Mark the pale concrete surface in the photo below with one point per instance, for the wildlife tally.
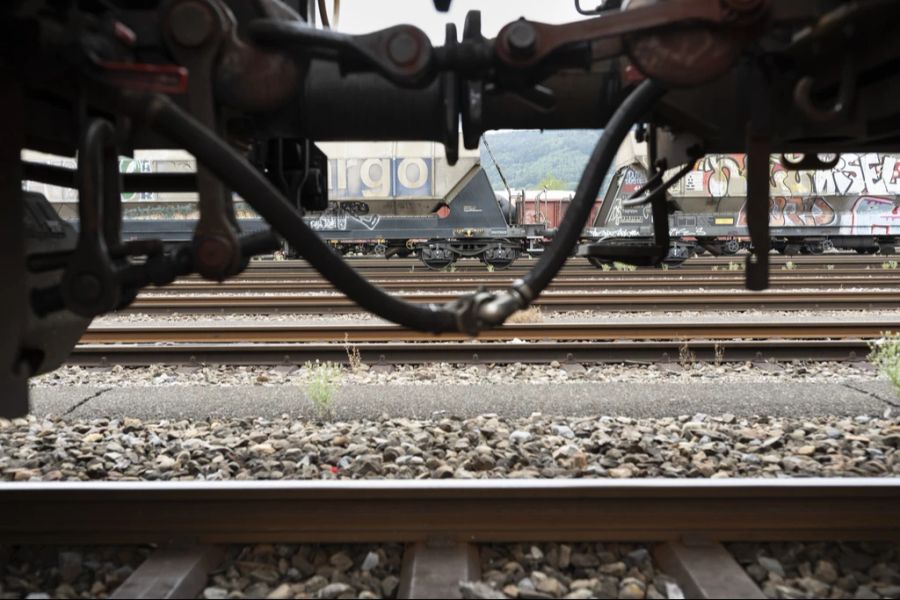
(581, 399)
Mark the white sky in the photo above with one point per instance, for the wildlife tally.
(363, 16)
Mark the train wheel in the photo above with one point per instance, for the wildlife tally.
(437, 264)
(731, 246)
(599, 262)
(672, 263)
(500, 264)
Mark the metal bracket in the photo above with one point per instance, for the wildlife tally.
(89, 285)
(194, 31)
(759, 149)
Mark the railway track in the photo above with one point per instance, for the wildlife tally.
(559, 301)
(568, 342)
(579, 264)
(268, 333)
(598, 282)
(441, 521)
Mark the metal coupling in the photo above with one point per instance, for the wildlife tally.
(482, 309)
(496, 310)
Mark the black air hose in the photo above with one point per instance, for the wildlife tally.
(470, 313)
(629, 112)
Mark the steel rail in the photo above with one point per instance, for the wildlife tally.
(727, 281)
(850, 350)
(511, 273)
(221, 303)
(469, 511)
(701, 262)
(560, 331)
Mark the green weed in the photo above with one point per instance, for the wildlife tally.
(885, 355)
(322, 381)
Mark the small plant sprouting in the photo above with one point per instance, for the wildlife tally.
(789, 266)
(606, 266)
(719, 357)
(686, 358)
(620, 266)
(664, 266)
(889, 264)
(322, 381)
(490, 268)
(353, 356)
(829, 267)
(885, 355)
(735, 266)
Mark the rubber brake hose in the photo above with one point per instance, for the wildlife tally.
(468, 314)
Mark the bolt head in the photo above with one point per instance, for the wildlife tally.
(403, 48)
(521, 39)
(190, 23)
(212, 256)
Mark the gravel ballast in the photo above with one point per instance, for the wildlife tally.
(570, 571)
(546, 315)
(38, 572)
(822, 570)
(487, 446)
(457, 374)
(307, 571)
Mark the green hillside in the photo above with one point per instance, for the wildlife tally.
(528, 158)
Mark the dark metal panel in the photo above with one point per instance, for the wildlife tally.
(13, 292)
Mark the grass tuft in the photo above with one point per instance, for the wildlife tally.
(322, 380)
(885, 355)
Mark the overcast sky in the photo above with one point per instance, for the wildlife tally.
(362, 16)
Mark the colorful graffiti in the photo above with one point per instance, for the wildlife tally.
(725, 175)
(796, 211)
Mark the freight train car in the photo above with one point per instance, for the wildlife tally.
(471, 222)
(853, 206)
(387, 198)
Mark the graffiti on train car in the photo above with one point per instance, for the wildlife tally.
(876, 214)
(340, 220)
(724, 175)
(797, 211)
(621, 215)
(380, 177)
